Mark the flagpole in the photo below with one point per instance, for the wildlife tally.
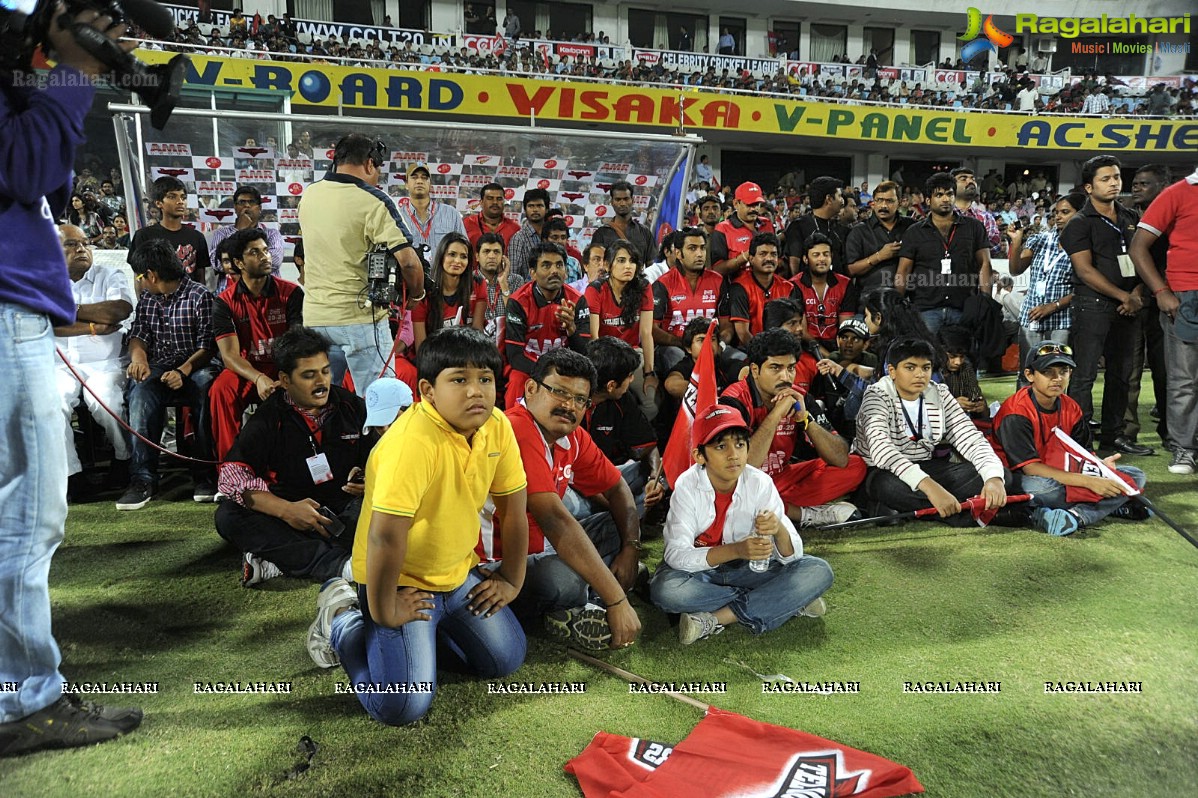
(1172, 524)
(632, 677)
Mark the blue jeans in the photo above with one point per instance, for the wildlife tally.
(365, 347)
(940, 317)
(33, 509)
(147, 402)
(373, 654)
(761, 600)
(581, 508)
(1050, 493)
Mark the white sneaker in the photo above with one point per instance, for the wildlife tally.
(825, 514)
(1183, 461)
(254, 569)
(335, 595)
(815, 609)
(694, 626)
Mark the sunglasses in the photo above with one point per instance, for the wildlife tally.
(1054, 349)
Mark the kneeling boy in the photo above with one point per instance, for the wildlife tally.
(725, 514)
(1024, 428)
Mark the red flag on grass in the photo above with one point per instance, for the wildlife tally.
(1068, 455)
(730, 755)
(700, 395)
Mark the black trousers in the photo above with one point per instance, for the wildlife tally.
(1148, 349)
(1098, 331)
(960, 479)
(300, 554)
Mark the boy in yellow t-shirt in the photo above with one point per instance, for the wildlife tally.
(413, 555)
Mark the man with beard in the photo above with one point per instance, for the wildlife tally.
(965, 200)
(825, 295)
(624, 226)
(542, 315)
(92, 345)
(872, 247)
(826, 204)
(774, 411)
(1147, 184)
(247, 201)
(492, 291)
(521, 245)
(427, 220)
(687, 291)
(490, 218)
(944, 259)
(247, 318)
(711, 213)
(1107, 298)
(751, 289)
(729, 243)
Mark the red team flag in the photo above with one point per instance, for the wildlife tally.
(1068, 455)
(700, 395)
(731, 756)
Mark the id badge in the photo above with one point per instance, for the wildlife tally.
(946, 265)
(318, 467)
(1126, 267)
(1042, 288)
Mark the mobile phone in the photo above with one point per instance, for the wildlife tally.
(337, 527)
(356, 475)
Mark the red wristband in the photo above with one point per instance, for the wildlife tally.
(1162, 288)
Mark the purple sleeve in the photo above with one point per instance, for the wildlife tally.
(37, 145)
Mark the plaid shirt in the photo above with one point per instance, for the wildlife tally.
(1050, 279)
(174, 326)
(998, 247)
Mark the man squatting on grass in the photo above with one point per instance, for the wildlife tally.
(413, 556)
(725, 514)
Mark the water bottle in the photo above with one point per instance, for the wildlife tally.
(759, 565)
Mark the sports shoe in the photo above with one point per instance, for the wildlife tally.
(825, 514)
(204, 492)
(136, 497)
(815, 609)
(694, 626)
(335, 595)
(1132, 510)
(67, 723)
(1182, 462)
(254, 569)
(584, 626)
(1057, 523)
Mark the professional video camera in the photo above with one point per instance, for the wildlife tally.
(25, 26)
(382, 275)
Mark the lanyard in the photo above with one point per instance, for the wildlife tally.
(949, 243)
(916, 427)
(423, 229)
(1119, 230)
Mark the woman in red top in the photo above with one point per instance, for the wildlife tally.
(450, 305)
(622, 306)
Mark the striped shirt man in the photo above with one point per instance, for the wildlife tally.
(1050, 279)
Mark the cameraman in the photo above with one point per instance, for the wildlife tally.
(338, 214)
(39, 131)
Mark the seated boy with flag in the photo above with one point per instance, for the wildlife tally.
(1042, 434)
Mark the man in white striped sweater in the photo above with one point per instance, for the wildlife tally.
(906, 431)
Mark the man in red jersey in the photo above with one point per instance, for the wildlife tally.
(247, 317)
(731, 239)
(687, 291)
(490, 218)
(773, 408)
(542, 315)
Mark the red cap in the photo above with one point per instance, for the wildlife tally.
(749, 193)
(715, 420)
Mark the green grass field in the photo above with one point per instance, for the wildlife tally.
(154, 596)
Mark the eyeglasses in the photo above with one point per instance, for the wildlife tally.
(565, 397)
(75, 243)
(1054, 349)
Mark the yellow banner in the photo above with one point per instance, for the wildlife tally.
(521, 98)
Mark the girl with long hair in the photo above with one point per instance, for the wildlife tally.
(448, 303)
(621, 306)
(86, 220)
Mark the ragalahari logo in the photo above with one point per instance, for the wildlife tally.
(994, 36)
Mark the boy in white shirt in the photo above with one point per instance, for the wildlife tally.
(723, 515)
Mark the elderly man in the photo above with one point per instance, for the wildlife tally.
(92, 345)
